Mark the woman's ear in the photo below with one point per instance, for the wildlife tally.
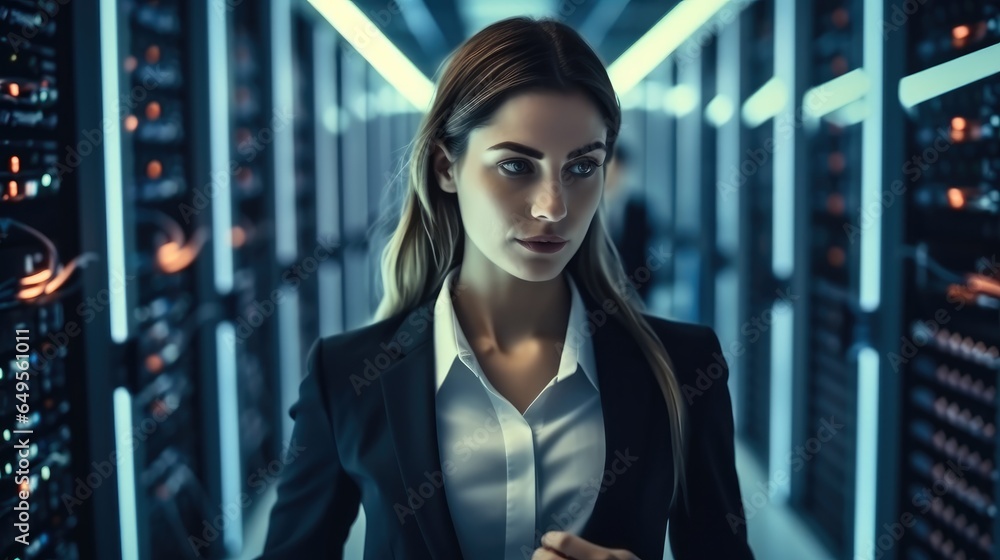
(442, 162)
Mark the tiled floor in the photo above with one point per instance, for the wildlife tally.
(775, 533)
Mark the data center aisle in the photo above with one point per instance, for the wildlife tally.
(775, 531)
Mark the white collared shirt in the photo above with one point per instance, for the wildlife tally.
(510, 478)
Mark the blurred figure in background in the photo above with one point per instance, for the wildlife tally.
(628, 220)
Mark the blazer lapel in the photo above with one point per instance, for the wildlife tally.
(408, 392)
(623, 376)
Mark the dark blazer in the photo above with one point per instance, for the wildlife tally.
(365, 424)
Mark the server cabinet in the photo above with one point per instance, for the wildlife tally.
(751, 181)
(45, 441)
(946, 358)
(830, 274)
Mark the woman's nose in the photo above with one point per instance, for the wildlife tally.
(549, 202)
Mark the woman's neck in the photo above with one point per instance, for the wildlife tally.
(498, 310)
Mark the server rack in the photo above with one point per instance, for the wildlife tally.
(694, 195)
(44, 444)
(246, 449)
(831, 277)
(721, 113)
(947, 356)
(378, 121)
(328, 49)
(190, 230)
(302, 276)
(355, 194)
(252, 239)
(752, 181)
(709, 259)
(169, 205)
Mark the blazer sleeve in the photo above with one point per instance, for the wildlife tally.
(715, 526)
(317, 500)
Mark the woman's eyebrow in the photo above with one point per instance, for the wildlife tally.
(531, 152)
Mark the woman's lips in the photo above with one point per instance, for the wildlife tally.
(542, 247)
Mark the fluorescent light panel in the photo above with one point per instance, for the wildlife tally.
(285, 229)
(378, 50)
(229, 434)
(677, 26)
(727, 327)
(765, 103)
(783, 184)
(780, 428)
(289, 347)
(128, 517)
(659, 42)
(113, 184)
(728, 78)
(850, 114)
(222, 205)
(835, 94)
(940, 79)
(680, 100)
(719, 110)
(866, 464)
(869, 292)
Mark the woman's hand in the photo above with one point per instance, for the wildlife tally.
(560, 544)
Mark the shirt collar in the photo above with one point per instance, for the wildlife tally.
(450, 342)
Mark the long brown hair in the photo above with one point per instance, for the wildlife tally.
(508, 57)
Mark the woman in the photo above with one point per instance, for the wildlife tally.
(512, 400)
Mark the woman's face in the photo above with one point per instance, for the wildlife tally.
(534, 169)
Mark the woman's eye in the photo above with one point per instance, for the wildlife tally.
(514, 167)
(584, 168)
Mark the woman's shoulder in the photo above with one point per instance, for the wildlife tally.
(681, 334)
(352, 359)
(361, 336)
(693, 348)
